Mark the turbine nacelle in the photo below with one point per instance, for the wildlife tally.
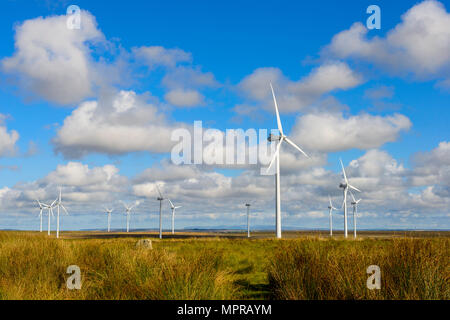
(343, 185)
(273, 137)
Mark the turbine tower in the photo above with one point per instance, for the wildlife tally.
(59, 205)
(276, 157)
(160, 199)
(173, 214)
(345, 186)
(128, 212)
(355, 212)
(248, 219)
(331, 215)
(108, 212)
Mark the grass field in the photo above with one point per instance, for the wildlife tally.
(225, 265)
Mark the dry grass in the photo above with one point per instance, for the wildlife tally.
(410, 269)
(34, 267)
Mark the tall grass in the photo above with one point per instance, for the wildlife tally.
(34, 267)
(410, 269)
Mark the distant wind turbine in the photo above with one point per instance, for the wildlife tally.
(331, 207)
(160, 199)
(108, 212)
(355, 213)
(173, 214)
(42, 206)
(281, 138)
(248, 219)
(59, 205)
(128, 212)
(345, 186)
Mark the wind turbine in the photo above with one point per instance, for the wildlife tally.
(331, 215)
(50, 212)
(59, 205)
(276, 157)
(108, 211)
(355, 212)
(42, 206)
(160, 199)
(128, 212)
(173, 214)
(345, 186)
(248, 219)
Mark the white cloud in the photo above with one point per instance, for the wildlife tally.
(184, 98)
(8, 139)
(155, 56)
(52, 61)
(188, 77)
(334, 132)
(419, 45)
(118, 123)
(296, 95)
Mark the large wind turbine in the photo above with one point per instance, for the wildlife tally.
(276, 157)
(331, 215)
(173, 214)
(345, 186)
(59, 205)
(160, 199)
(108, 212)
(355, 212)
(128, 212)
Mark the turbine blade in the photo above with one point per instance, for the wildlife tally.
(159, 191)
(295, 146)
(354, 188)
(343, 171)
(178, 207)
(64, 209)
(171, 204)
(280, 128)
(276, 154)
(329, 198)
(351, 193)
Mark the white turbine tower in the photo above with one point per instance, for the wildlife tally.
(276, 157)
(345, 186)
(128, 212)
(331, 207)
(59, 205)
(108, 212)
(248, 219)
(160, 199)
(355, 213)
(173, 214)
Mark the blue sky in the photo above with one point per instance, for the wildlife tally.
(222, 54)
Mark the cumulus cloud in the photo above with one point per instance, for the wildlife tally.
(296, 95)
(418, 45)
(328, 132)
(184, 98)
(118, 123)
(52, 61)
(8, 139)
(154, 56)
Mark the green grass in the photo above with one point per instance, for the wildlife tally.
(33, 266)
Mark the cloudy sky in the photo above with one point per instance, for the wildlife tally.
(93, 110)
